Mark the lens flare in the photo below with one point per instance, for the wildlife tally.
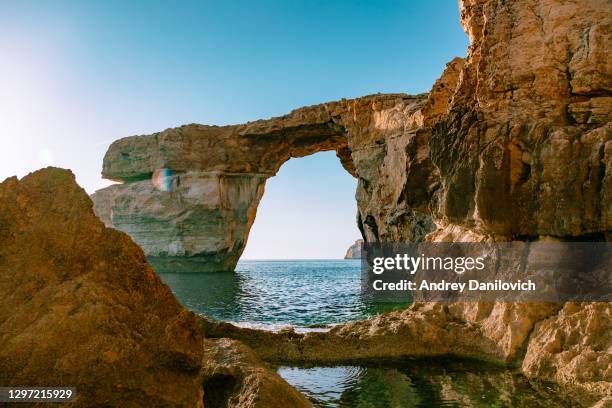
(162, 179)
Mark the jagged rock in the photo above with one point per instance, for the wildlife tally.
(80, 307)
(354, 251)
(235, 377)
(524, 152)
(424, 330)
(201, 225)
(523, 149)
(574, 347)
(514, 142)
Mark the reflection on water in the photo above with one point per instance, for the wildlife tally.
(421, 384)
(303, 293)
(299, 293)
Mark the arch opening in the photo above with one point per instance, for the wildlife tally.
(292, 272)
(308, 211)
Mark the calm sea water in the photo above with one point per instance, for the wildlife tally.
(278, 293)
(273, 294)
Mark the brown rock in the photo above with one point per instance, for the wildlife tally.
(522, 149)
(80, 307)
(523, 152)
(424, 330)
(574, 347)
(235, 377)
(354, 251)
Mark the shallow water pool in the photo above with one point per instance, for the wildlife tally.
(421, 384)
(276, 294)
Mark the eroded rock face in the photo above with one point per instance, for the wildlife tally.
(80, 307)
(200, 225)
(574, 347)
(354, 251)
(524, 148)
(424, 330)
(523, 152)
(190, 194)
(514, 142)
(235, 377)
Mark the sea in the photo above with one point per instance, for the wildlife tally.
(317, 294)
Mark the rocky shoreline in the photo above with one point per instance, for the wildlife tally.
(80, 305)
(514, 142)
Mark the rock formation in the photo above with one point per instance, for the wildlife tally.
(80, 307)
(523, 152)
(235, 377)
(524, 148)
(514, 142)
(354, 251)
(199, 216)
(573, 347)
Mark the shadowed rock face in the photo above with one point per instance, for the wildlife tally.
(523, 152)
(525, 147)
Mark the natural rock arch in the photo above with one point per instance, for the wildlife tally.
(214, 177)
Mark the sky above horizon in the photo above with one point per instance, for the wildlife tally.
(74, 76)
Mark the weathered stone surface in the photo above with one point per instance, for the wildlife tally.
(234, 376)
(198, 217)
(354, 251)
(80, 307)
(574, 347)
(201, 225)
(522, 151)
(424, 330)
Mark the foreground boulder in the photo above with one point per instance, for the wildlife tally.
(80, 307)
(235, 377)
(573, 347)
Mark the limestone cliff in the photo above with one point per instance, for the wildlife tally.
(524, 148)
(354, 251)
(523, 152)
(80, 307)
(198, 216)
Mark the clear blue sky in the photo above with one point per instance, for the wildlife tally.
(76, 75)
